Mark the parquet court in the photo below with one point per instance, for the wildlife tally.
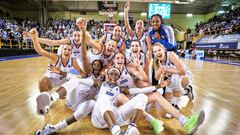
(216, 88)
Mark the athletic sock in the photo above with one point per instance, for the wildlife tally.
(115, 129)
(182, 119)
(54, 96)
(61, 124)
(149, 118)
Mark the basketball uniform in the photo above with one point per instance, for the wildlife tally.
(57, 79)
(142, 41)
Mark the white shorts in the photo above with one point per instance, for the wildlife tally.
(122, 114)
(77, 93)
(56, 79)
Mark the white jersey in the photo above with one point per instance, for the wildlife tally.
(142, 59)
(76, 52)
(99, 77)
(108, 92)
(119, 42)
(105, 60)
(57, 79)
(126, 79)
(168, 64)
(142, 41)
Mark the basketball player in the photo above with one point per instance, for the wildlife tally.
(116, 36)
(64, 62)
(74, 41)
(105, 113)
(191, 124)
(140, 58)
(138, 34)
(79, 97)
(167, 64)
(105, 53)
(160, 33)
(79, 93)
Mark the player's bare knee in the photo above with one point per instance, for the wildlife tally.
(122, 99)
(45, 84)
(157, 95)
(62, 92)
(168, 95)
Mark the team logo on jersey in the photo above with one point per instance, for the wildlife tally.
(110, 93)
(162, 36)
(123, 81)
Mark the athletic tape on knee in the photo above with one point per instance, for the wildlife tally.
(134, 91)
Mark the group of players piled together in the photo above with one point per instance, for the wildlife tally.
(115, 84)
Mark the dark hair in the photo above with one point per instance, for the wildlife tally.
(101, 64)
(158, 15)
(135, 40)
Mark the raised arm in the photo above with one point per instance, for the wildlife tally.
(149, 46)
(96, 45)
(33, 34)
(126, 20)
(82, 27)
(102, 39)
(50, 42)
(80, 71)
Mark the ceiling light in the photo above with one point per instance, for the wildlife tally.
(189, 15)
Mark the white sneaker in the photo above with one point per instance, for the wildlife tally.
(47, 130)
(132, 131)
(43, 102)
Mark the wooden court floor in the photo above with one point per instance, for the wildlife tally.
(216, 88)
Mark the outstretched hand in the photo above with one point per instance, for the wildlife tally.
(127, 6)
(82, 24)
(33, 34)
(54, 69)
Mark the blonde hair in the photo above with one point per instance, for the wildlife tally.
(161, 45)
(155, 60)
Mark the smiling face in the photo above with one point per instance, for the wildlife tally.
(110, 47)
(97, 65)
(113, 75)
(156, 22)
(135, 47)
(77, 36)
(159, 52)
(139, 26)
(117, 31)
(119, 60)
(66, 51)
